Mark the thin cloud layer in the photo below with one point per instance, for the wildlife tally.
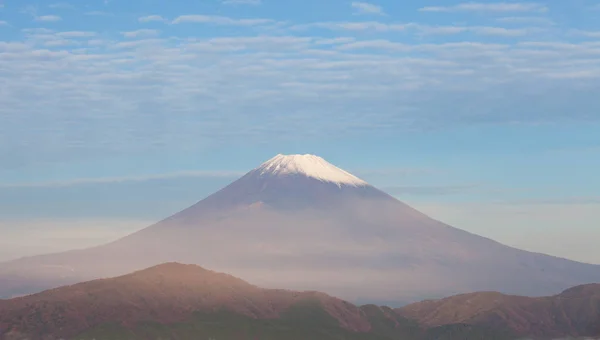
(140, 33)
(71, 94)
(61, 5)
(48, 18)
(367, 8)
(498, 7)
(149, 18)
(242, 2)
(219, 20)
(100, 180)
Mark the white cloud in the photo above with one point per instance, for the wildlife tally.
(84, 181)
(353, 26)
(418, 28)
(48, 18)
(194, 93)
(59, 43)
(150, 18)
(3, 23)
(76, 34)
(219, 20)
(141, 33)
(526, 20)
(589, 34)
(374, 44)
(61, 5)
(441, 30)
(195, 174)
(242, 2)
(29, 9)
(334, 41)
(98, 13)
(500, 31)
(367, 8)
(498, 7)
(439, 190)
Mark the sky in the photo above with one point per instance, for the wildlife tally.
(485, 115)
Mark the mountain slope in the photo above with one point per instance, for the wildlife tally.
(176, 301)
(574, 312)
(166, 293)
(301, 223)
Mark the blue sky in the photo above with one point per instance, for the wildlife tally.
(485, 115)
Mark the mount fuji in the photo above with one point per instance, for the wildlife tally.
(299, 222)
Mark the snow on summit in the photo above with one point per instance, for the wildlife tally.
(310, 166)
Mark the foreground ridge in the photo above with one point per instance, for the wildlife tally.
(177, 301)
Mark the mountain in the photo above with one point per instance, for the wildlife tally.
(177, 301)
(574, 312)
(299, 222)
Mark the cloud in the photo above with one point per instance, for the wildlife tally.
(589, 34)
(135, 196)
(430, 190)
(395, 172)
(150, 18)
(498, 7)
(353, 26)
(479, 30)
(367, 8)
(144, 178)
(30, 9)
(48, 18)
(76, 34)
(141, 33)
(587, 151)
(501, 31)
(334, 41)
(417, 28)
(219, 20)
(3, 23)
(580, 200)
(242, 2)
(61, 5)
(98, 13)
(102, 98)
(526, 20)
(33, 11)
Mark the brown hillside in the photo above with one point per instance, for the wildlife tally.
(164, 293)
(575, 312)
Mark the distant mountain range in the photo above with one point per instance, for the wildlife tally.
(574, 312)
(299, 222)
(187, 302)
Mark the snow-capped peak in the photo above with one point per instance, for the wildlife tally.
(310, 166)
